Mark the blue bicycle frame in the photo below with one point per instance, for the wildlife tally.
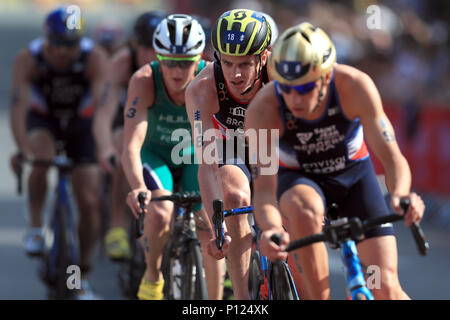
(356, 282)
(266, 266)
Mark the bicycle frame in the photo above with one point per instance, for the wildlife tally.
(62, 206)
(343, 233)
(266, 265)
(355, 280)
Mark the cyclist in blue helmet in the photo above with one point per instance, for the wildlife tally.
(56, 83)
(108, 123)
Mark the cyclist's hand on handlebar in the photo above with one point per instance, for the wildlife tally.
(16, 160)
(270, 249)
(415, 210)
(133, 202)
(109, 160)
(215, 252)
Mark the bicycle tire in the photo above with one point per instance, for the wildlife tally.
(171, 274)
(193, 282)
(131, 275)
(255, 276)
(63, 259)
(281, 284)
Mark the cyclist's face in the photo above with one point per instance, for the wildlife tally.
(145, 55)
(178, 74)
(239, 72)
(303, 105)
(60, 55)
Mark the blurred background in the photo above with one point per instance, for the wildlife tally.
(402, 44)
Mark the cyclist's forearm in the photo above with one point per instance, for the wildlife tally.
(132, 166)
(105, 113)
(398, 177)
(18, 128)
(266, 210)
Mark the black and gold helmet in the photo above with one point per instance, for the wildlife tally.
(241, 32)
(302, 54)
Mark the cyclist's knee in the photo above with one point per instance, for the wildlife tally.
(159, 214)
(305, 217)
(236, 198)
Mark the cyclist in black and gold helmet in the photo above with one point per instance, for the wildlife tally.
(217, 99)
(323, 112)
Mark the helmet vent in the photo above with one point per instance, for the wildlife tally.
(326, 55)
(186, 32)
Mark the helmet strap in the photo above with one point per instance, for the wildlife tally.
(321, 95)
(256, 79)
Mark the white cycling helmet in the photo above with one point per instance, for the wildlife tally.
(179, 34)
(273, 28)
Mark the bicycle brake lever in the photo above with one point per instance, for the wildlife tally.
(276, 237)
(416, 230)
(218, 218)
(20, 159)
(140, 220)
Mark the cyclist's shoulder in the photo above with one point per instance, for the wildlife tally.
(356, 89)
(264, 107)
(142, 80)
(203, 86)
(348, 77)
(24, 62)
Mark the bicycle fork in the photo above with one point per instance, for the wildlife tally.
(356, 283)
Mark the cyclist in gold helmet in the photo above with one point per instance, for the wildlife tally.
(217, 99)
(323, 110)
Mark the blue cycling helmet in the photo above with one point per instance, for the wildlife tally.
(62, 31)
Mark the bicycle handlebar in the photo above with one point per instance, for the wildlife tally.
(219, 216)
(140, 220)
(183, 199)
(341, 229)
(61, 162)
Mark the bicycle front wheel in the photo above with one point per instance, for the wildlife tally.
(255, 276)
(193, 283)
(281, 283)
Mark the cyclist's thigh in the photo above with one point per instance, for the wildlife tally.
(42, 132)
(118, 139)
(296, 191)
(365, 199)
(189, 181)
(235, 181)
(157, 174)
(86, 180)
(80, 140)
(158, 179)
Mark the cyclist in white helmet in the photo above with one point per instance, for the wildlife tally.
(155, 108)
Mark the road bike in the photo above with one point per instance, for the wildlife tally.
(182, 263)
(61, 246)
(343, 233)
(268, 280)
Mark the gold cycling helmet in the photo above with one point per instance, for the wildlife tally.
(302, 54)
(241, 32)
